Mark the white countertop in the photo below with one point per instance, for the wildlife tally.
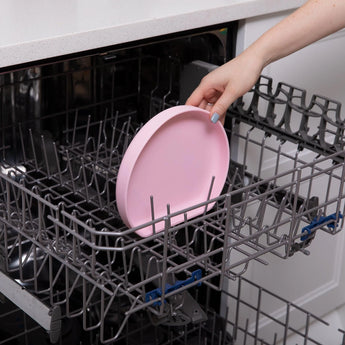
(38, 29)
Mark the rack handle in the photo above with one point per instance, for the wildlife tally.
(307, 230)
(156, 293)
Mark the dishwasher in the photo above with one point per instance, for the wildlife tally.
(73, 273)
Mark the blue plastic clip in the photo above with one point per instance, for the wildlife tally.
(151, 295)
(319, 221)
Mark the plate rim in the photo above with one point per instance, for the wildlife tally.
(136, 147)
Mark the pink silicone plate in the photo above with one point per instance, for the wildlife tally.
(173, 159)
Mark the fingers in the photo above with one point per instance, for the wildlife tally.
(203, 97)
(215, 98)
(221, 102)
(204, 105)
(219, 109)
(209, 106)
(197, 97)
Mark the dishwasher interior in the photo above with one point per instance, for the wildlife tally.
(73, 273)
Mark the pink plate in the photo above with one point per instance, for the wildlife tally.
(173, 159)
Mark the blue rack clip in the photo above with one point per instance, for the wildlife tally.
(156, 293)
(307, 230)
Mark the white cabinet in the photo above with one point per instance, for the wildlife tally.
(315, 282)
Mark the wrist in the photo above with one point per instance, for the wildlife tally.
(255, 58)
(262, 52)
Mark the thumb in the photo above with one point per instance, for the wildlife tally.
(220, 108)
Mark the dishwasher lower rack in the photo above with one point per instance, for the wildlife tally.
(62, 239)
(233, 328)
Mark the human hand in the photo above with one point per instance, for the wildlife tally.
(221, 87)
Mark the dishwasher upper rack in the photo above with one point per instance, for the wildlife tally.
(61, 205)
(284, 112)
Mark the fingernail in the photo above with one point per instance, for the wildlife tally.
(215, 118)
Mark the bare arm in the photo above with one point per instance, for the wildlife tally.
(311, 22)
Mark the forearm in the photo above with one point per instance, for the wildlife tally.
(311, 22)
(314, 20)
